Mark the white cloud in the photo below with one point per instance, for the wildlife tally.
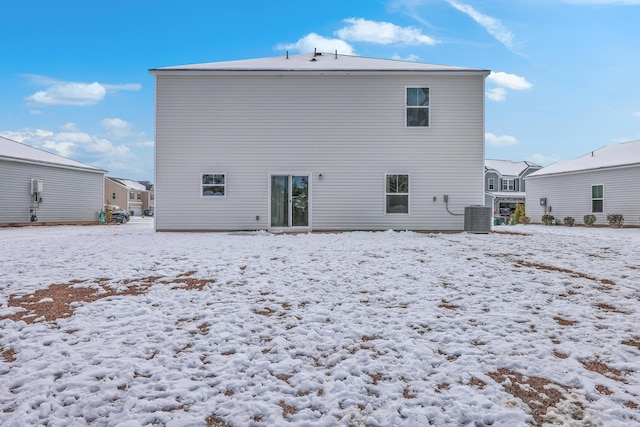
(505, 81)
(499, 141)
(510, 81)
(492, 25)
(411, 58)
(312, 41)
(363, 30)
(65, 149)
(73, 93)
(80, 94)
(118, 128)
(636, 114)
(497, 94)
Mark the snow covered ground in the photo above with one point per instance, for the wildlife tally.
(525, 326)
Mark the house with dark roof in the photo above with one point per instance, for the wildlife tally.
(603, 181)
(504, 182)
(318, 141)
(41, 187)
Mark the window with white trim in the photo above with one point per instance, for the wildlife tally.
(213, 185)
(492, 184)
(417, 107)
(597, 198)
(508, 185)
(397, 194)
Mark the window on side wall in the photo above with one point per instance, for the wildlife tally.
(213, 185)
(597, 198)
(417, 107)
(397, 194)
(491, 184)
(130, 195)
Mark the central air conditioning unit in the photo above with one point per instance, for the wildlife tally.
(477, 219)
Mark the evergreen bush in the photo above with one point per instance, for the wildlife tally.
(589, 220)
(615, 220)
(569, 220)
(547, 219)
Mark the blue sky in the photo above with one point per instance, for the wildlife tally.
(74, 74)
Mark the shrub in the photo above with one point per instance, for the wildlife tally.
(517, 214)
(589, 220)
(547, 219)
(569, 220)
(615, 220)
(525, 219)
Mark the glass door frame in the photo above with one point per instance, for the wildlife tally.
(290, 176)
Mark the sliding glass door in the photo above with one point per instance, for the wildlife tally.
(289, 200)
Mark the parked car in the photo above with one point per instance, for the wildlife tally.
(147, 212)
(118, 214)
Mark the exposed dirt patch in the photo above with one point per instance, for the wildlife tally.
(287, 409)
(601, 368)
(576, 274)
(9, 355)
(59, 300)
(604, 389)
(539, 394)
(215, 421)
(513, 233)
(565, 322)
(633, 342)
(608, 307)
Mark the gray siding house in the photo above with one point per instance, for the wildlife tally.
(38, 186)
(317, 141)
(504, 182)
(604, 181)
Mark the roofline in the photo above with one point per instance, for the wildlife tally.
(573, 172)
(58, 165)
(293, 71)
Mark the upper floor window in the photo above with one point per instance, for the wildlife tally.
(597, 198)
(397, 193)
(417, 106)
(130, 195)
(151, 195)
(213, 184)
(139, 196)
(508, 185)
(491, 184)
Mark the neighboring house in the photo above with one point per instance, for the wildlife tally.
(132, 196)
(148, 197)
(505, 186)
(38, 186)
(318, 142)
(604, 181)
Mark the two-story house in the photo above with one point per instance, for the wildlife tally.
(505, 186)
(132, 196)
(318, 141)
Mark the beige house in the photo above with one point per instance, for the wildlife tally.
(318, 141)
(133, 196)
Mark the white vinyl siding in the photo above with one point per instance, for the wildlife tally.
(571, 194)
(353, 132)
(69, 195)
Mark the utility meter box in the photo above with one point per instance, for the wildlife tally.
(37, 186)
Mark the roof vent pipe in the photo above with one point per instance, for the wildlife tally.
(336, 53)
(287, 54)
